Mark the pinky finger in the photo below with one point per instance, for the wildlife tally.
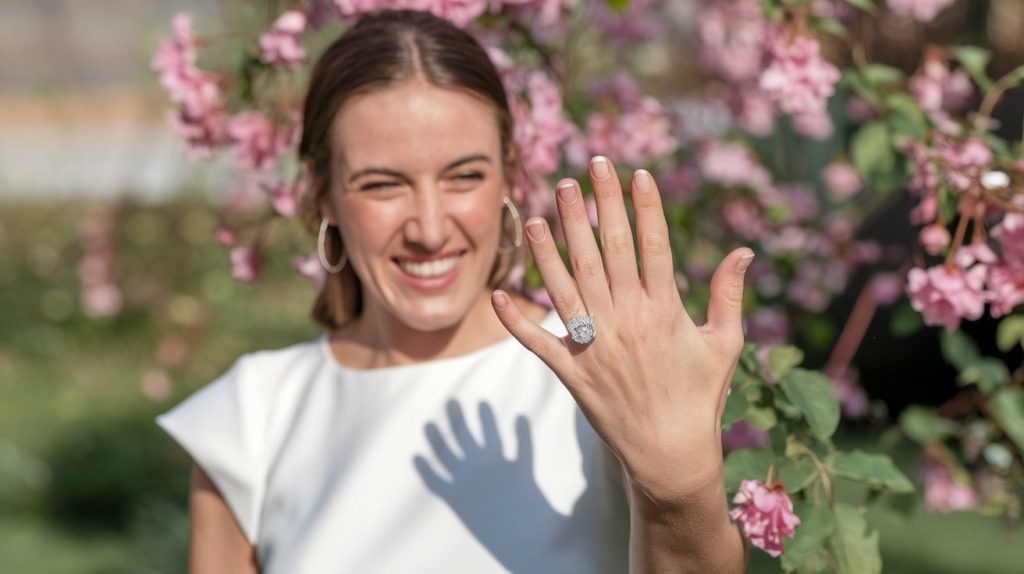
(538, 340)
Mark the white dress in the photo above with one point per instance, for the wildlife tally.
(479, 463)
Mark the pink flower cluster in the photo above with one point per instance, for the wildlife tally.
(797, 77)
(461, 12)
(943, 492)
(921, 10)
(200, 118)
(947, 294)
(638, 132)
(280, 44)
(765, 514)
(256, 140)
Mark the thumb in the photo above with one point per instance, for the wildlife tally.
(725, 317)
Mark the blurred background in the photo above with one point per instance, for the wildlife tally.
(116, 302)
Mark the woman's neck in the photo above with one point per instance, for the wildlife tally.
(377, 339)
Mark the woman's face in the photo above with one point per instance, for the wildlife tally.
(417, 191)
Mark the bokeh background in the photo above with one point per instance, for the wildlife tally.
(93, 184)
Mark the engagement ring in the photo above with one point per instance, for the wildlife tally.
(581, 329)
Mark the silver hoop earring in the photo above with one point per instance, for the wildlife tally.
(517, 222)
(322, 251)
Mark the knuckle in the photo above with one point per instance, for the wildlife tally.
(564, 301)
(617, 243)
(587, 267)
(653, 243)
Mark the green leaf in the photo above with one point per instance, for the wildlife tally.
(974, 60)
(735, 408)
(871, 151)
(1010, 333)
(782, 359)
(959, 349)
(905, 321)
(803, 551)
(875, 470)
(906, 116)
(1008, 405)
(746, 464)
(812, 393)
(865, 5)
(617, 5)
(880, 74)
(922, 424)
(795, 475)
(988, 373)
(854, 547)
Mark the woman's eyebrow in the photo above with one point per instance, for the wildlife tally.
(467, 159)
(393, 173)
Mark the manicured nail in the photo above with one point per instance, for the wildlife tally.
(567, 193)
(744, 262)
(600, 168)
(642, 179)
(535, 229)
(499, 300)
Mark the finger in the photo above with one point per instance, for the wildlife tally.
(460, 430)
(524, 448)
(492, 439)
(431, 478)
(652, 237)
(444, 453)
(616, 236)
(537, 339)
(725, 317)
(584, 256)
(560, 285)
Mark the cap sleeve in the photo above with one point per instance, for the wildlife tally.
(220, 426)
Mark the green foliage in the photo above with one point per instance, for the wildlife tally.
(804, 551)
(921, 424)
(1008, 405)
(1010, 332)
(812, 394)
(854, 544)
(874, 470)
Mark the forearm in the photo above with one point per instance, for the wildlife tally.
(694, 535)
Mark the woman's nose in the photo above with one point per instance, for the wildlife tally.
(428, 224)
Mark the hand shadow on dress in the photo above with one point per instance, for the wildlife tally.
(517, 525)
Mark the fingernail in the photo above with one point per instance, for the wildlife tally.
(642, 179)
(499, 300)
(744, 262)
(535, 230)
(599, 167)
(567, 193)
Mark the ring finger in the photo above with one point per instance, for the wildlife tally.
(560, 285)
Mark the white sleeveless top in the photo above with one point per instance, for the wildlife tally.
(479, 463)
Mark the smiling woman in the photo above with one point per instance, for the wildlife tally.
(328, 455)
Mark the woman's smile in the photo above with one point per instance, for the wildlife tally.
(431, 273)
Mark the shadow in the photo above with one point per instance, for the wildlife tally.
(501, 504)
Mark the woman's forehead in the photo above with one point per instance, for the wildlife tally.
(414, 123)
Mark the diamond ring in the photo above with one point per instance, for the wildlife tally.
(581, 329)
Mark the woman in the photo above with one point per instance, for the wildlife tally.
(415, 435)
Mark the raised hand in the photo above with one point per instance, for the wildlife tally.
(652, 383)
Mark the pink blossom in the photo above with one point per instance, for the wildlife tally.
(637, 133)
(853, 401)
(1006, 288)
(797, 77)
(886, 288)
(224, 234)
(921, 10)
(545, 14)
(815, 125)
(934, 238)
(639, 21)
(101, 300)
(765, 514)
(732, 165)
(256, 140)
(768, 326)
(841, 180)
(459, 12)
(280, 45)
(246, 263)
(744, 218)
(744, 435)
(309, 266)
(1010, 234)
(284, 197)
(156, 385)
(943, 491)
(732, 37)
(945, 296)
(964, 161)
(754, 111)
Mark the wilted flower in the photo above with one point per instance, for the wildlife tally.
(765, 514)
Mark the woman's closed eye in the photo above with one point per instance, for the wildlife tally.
(382, 185)
(467, 179)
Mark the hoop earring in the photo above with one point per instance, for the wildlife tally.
(517, 242)
(321, 250)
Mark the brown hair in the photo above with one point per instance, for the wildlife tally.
(383, 49)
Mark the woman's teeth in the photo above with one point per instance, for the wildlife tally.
(435, 268)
